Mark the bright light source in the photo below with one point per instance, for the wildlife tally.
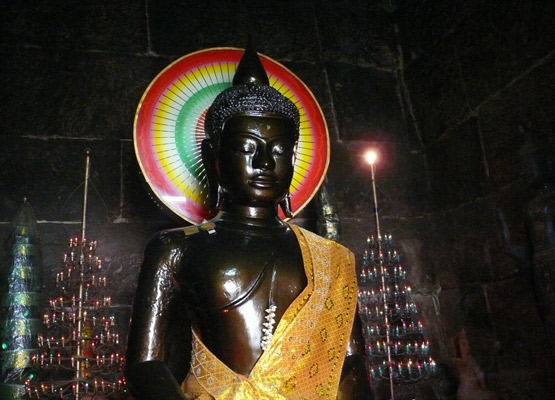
(371, 157)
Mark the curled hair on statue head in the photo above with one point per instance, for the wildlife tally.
(248, 98)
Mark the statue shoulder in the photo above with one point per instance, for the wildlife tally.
(178, 236)
(168, 246)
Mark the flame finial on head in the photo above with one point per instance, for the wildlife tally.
(250, 93)
(250, 69)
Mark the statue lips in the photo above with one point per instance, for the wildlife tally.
(263, 181)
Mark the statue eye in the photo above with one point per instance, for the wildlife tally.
(278, 149)
(246, 147)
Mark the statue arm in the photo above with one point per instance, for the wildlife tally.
(147, 370)
(354, 384)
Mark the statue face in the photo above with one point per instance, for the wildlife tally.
(255, 160)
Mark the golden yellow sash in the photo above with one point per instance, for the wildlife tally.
(306, 354)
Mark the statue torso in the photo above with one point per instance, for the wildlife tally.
(228, 279)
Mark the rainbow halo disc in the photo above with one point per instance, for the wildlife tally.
(169, 127)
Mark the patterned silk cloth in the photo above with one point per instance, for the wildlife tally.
(306, 354)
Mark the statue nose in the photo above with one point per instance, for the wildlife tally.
(263, 159)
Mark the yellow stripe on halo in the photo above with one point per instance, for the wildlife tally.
(163, 128)
(172, 166)
(191, 81)
(303, 161)
(182, 180)
(223, 72)
(180, 87)
(305, 127)
(168, 108)
(175, 95)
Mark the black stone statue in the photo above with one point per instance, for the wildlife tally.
(211, 297)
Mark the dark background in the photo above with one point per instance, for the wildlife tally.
(439, 86)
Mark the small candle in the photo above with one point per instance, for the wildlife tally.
(433, 366)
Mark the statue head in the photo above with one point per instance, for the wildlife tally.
(251, 131)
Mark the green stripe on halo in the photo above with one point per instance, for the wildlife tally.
(187, 121)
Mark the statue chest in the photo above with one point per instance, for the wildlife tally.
(231, 271)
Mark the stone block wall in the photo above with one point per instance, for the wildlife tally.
(473, 73)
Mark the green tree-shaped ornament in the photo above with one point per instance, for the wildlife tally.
(20, 297)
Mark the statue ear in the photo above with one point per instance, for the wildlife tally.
(208, 151)
(285, 205)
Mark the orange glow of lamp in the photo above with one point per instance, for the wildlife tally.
(169, 127)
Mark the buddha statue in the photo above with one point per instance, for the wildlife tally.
(247, 306)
